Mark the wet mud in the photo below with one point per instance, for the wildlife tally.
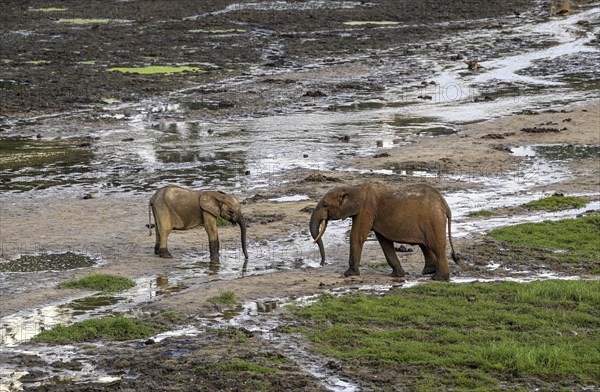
(275, 102)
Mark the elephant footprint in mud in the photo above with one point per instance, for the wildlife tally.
(177, 208)
(413, 214)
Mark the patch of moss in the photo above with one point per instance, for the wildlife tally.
(100, 282)
(156, 70)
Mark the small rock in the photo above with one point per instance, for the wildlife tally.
(529, 112)
(541, 130)
(315, 94)
(493, 136)
(305, 155)
(381, 155)
(149, 342)
(87, 196)
(308, 209)
(128, 139)
(403, 249)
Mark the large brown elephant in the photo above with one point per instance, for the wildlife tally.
(177, 208)
(412, 214)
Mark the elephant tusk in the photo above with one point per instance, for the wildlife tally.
(323, 227)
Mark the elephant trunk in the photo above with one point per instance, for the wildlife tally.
(242, 224)
(315, 223)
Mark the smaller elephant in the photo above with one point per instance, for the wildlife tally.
(413, 214)
(177, 208)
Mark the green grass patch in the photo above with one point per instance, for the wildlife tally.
(573, 240)
(100, 282)
(465, 336)
(226, 297)
(556, 203)
(156, 70)
(110, 328)
(480, 214)
(80, 21)
(49, 9)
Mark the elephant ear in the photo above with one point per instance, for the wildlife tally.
(210, 204)
(350, 204)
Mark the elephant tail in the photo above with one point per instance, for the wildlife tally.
(449, 217)
(150, 218)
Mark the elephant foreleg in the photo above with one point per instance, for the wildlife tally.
(390, 255)
(358, 236)
(431, 263)
(210, 225)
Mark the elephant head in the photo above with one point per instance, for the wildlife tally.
(227, 207)
(338, 203)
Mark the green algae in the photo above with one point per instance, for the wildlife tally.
(19, 152)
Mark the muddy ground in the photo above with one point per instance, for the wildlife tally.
(42, 74)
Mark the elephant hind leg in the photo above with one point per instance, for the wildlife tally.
(390, 255)
(163, 229)
(431, 262)
(443, 271)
